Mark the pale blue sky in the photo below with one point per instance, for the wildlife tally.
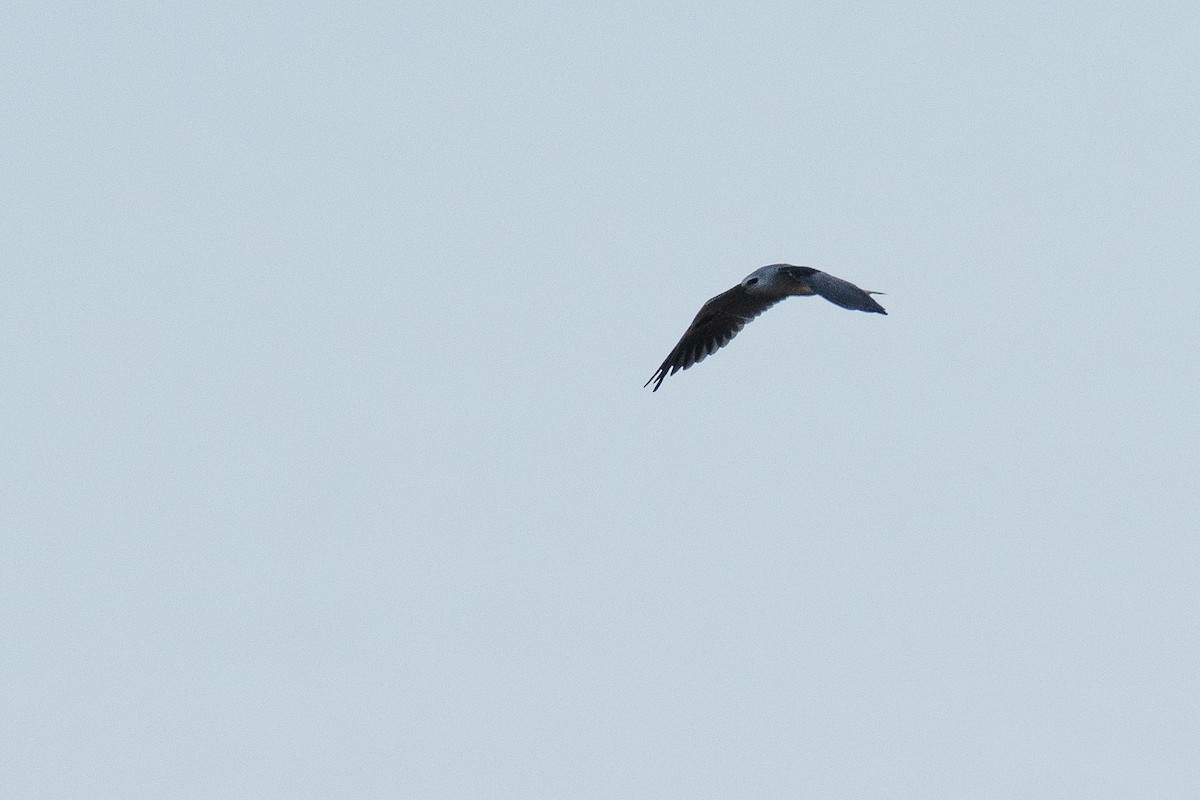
(329, 470)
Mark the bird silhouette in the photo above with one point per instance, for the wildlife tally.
(723, 316)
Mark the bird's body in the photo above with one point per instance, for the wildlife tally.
(723, 316)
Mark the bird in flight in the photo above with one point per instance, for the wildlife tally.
(723, 316)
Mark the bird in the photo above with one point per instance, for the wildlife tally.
(723, 316)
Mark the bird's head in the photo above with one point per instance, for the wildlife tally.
(762, 278)
(779, 279)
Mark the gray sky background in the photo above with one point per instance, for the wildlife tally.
(329, 470)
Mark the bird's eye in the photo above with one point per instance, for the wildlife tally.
(752, 281)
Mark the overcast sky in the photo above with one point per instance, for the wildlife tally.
(328, 469)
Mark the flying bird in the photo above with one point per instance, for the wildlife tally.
(723, 316)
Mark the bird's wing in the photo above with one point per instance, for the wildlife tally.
(842, 293)
(719, 320)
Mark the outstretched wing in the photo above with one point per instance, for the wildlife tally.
(719, 320)
(842, 293)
